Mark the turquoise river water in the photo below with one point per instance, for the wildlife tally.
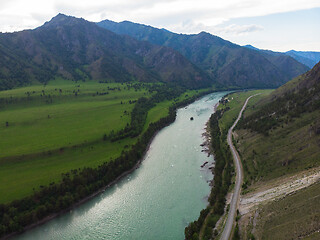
(157, 200)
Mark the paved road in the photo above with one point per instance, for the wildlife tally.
(226, 234)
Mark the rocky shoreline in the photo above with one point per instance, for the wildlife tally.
(206, 146)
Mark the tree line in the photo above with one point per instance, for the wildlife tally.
(141, 108)
(80, 183)
(282, 110)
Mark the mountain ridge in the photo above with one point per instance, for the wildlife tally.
(308, 58)
(225, 62)
(77, 49)
(279, 141)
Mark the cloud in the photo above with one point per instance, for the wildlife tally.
(182, 16)
(161, 13)
(239, 29)
(190, 26)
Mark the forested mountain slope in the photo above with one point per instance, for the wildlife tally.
(279, 143)
(310, 59)
(78, 50)
(225, 62)
(280, 134)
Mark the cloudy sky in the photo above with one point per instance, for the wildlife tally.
(278, 25)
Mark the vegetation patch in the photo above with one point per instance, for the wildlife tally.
(293, 217)
(203, 227)
(280, 136)
(79, 181)
(219, 124)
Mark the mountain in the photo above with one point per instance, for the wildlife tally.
(225, 62)
(77, 49)
(251, 47)
(309, 59)
(310, 81)
(292, 100)
(282, 60)
(278, 140)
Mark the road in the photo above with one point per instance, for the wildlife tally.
(226, 234)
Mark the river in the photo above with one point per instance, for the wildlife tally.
(157, 200)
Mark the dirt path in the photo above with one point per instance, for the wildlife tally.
(278, 188)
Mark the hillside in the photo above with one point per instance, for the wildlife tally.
(225, 62)
(310, 59)
(290, 101)
(80, 50)
(279, 143)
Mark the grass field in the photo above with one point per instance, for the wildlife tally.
(47, 136)
(44, 139)
(235, 103)
(287, 150)
(294, 217)
(36, 126)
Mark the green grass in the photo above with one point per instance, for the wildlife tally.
(235, 103)
(30, 130)
(162, 109)
(69, 120)
(36, 149)
(290, 148)
(19, 176)
(287, 150)
(294, 217)
(159, 111)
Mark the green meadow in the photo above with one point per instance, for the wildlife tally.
(49, 130)
(234, 104)
(287, 149)
(32, 125)
(52, 129)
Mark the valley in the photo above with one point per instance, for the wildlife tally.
(102, 128)
(64, 134)
(170, 169)
(63, 126)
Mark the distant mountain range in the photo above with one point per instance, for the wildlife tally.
(76, 49)
(296, 98)
(225, 62)
(309, 59)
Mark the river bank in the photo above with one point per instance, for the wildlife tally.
(86, 199)
(101, 191)
(203, 227)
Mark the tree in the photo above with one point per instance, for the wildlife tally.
(104, 137)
